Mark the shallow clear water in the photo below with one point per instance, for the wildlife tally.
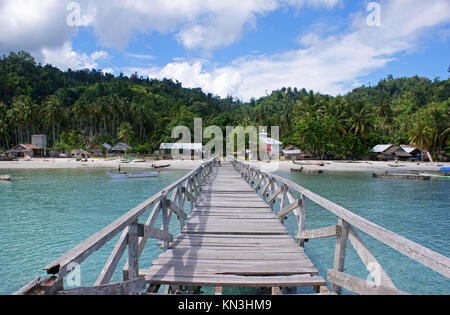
(44, 213)
(417, 210)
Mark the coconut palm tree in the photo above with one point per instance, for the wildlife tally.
(125, 132)
(421, 137)
(361, 119)
(52, 113)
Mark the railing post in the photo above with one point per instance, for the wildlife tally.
(339, 256)
(165, 219)
(302, 218)
(133, 251)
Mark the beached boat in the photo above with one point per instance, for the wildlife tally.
(5, 178)
(128, 176)
(396, 165)
(160, 166)
(128, 160)
(444, 173)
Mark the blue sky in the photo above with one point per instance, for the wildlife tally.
(243, 48)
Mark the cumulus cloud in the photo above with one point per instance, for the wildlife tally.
(66, 58)
(31, 25)
(329, 64)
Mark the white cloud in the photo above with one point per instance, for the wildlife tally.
(330, 64)
(31, 25)
(64, 58)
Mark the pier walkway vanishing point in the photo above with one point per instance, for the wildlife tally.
(232, 238)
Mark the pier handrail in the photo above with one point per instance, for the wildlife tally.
(274, 187)
(170, 200)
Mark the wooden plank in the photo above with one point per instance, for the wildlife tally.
(319, 233)
(360, 286)
(240, 262)
(296, 204)
(132, 287)
(261, 270)
(275, 195)
(369, 260)
(28, 287)
(177, 210)
(113, 260)
(239, 281)
(151, 232)
(233, 255)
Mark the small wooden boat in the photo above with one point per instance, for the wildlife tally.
(128, 176)
(444, 173)
(160, 166)
(6, 178)
(304, 171)
(127, 160)
(396, 165)
(401, 176)
(435, 176)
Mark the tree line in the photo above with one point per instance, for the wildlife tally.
(79, 108)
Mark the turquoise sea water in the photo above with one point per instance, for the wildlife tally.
(44, 213)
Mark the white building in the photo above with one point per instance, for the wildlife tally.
(270, 145)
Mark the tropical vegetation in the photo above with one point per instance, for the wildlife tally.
(79, 108)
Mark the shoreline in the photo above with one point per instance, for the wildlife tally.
(284, 166)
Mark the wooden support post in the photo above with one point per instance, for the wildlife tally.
(302, 218)
(276, 291)
(165, 220)
(133, 251)
(339, 256)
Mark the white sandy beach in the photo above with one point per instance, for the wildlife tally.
(47, 163)
(328, 166)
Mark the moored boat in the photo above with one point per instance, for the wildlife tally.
(435, 176)
(127, 176)
(5, 178)
(444, 173)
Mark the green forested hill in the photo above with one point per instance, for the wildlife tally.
(79, 108)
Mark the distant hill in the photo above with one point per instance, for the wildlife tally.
(78, 108)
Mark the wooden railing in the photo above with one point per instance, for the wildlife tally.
(273, 188)
(169, 201)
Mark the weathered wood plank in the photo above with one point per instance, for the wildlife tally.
(319, 233)
(151, 232)
(296, 204)
(26, 288)
(360, 286)
(369, 260)
(132, 287)
(113, 260)
(239, 281)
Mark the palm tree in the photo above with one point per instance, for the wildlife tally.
(52, 113)
(125, 132)
(421, 137)
(440, 128)
(361, 119)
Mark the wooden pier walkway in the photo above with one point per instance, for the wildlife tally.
(232, 234)
(233, 239)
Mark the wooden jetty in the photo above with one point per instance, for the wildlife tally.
(233, 236)
(401, 176)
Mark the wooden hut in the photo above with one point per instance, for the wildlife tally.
(79, 154)
(23, 150)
